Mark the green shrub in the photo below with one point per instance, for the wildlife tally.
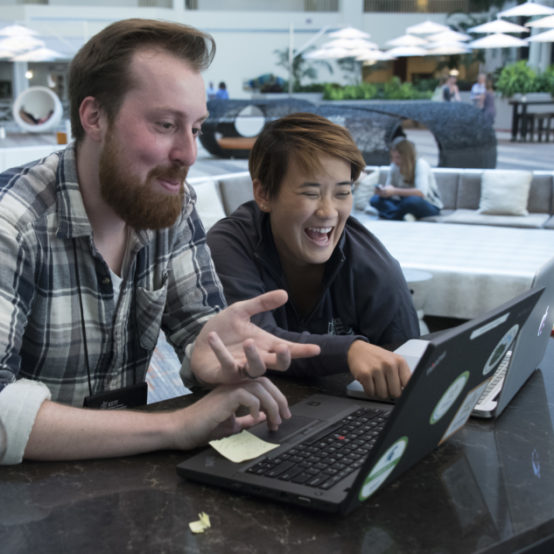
(392, 90)
(516, 78)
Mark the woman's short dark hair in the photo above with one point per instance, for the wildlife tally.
(101, 67)
(304, 137)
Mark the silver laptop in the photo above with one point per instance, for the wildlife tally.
(336, 452)
(519, 352)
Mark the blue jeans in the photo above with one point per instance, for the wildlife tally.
(397, 209)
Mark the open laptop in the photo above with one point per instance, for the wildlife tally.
(521, 350)
(437, 402)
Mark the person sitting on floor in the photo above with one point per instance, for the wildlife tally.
(346, 293)
(410, 187)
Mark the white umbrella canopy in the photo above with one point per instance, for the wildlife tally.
(349, 32)
(16, 31)
(528, 9)
(407, 40)
(448, 36)
(407, 51)
(546, 36)
(374, 56)
(545, 23)
(20, 44)
(351, 44)
(498, 40)
(427, 27)
(447, 48)
(39, 55)
(498, 26)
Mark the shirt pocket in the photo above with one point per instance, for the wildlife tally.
(150, 308)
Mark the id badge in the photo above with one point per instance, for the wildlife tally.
(119, 399)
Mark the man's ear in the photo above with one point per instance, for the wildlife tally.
(261, 196)
(92, 118)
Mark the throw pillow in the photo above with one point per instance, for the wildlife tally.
(505, 192)
(364, 189)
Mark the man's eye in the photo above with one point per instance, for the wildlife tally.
(197, 131)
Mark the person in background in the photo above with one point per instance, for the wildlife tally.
(222, 93)
(347, 294)
(102, 247)
(478, 90)
(489, 108)
(450, 92)
(211, 92)
(410, 189)
(438, 95)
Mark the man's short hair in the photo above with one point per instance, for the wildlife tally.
(304, 137)
(101, 67)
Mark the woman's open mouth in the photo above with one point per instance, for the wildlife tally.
(320, 235)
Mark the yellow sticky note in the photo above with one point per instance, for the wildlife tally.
(242, 446)
(202, 524)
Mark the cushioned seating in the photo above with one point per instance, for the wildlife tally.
(462, 193)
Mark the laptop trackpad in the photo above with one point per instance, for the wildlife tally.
(288, 429)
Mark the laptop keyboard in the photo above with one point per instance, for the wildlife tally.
(329, 456)
(497, 378)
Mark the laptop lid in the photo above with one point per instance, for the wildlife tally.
(435, 404)
(531, 343)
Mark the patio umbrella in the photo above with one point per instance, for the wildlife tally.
(527, 9)
(498, 40)
(426, 28)
(407, 51)
(39, 55)
(351, 44)
(16, 31)
(499, 26)
(407, 40)
(545, 22)
(446, 48)
(349, 32)
(547, 36)
(374, 56)
(20, 44)
(448, 36)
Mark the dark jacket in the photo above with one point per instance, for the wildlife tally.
(365, 294)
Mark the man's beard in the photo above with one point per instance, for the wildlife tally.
(138, 203)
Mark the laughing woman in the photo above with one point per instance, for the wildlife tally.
(346, 292)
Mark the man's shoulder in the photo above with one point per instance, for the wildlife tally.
(28, 191)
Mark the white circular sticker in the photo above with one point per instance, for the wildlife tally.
(500, 349)
(382, 469)
(449, 397)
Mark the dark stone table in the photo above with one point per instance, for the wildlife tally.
(490, 488)
(464, 138)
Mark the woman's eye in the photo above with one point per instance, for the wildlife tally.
(166, 125)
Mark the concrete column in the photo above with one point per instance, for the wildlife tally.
(19, 81)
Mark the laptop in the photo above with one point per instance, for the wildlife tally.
(521, 350)
(370, 444)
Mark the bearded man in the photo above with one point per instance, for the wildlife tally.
(102, 247)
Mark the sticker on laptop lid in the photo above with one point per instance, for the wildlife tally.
(464, 411)
(383, 468)
(449, 397)
(500, 349)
